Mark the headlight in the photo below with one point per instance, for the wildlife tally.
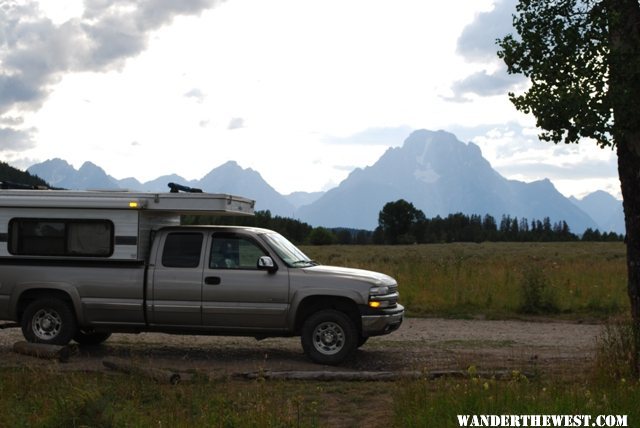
(378, 291)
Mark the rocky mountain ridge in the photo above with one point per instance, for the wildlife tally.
(434, 170)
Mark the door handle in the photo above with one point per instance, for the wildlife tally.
(212, 280)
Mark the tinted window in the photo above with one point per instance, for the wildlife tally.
(182, 250)
(234, 252)
(61, 237)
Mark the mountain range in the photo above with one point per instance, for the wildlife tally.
(433, 170)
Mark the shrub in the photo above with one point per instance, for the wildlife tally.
(614, 351)
(538, 296)
(321, 236)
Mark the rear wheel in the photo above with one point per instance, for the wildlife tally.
(50, 321)
(329, 337)
(91, 338)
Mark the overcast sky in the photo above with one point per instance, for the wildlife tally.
(301, 91)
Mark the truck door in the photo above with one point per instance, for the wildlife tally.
(235, 294)
(176, 296)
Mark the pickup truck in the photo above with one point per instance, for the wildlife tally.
(214, 280)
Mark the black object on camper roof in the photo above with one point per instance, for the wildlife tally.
(175, 188)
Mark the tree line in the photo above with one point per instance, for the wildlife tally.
(400, 222)
(10, 175)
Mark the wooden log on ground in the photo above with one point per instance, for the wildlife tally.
(346, 376)
(41, 350)
(159, 375)
(9, 325)
(371, 376)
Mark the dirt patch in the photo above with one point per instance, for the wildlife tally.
(420, 344)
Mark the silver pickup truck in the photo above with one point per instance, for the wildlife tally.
(81, 271)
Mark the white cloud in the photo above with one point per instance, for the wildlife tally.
(236, 123)
(16, 140)
(299, 90)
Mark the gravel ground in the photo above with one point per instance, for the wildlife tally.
(420, 344)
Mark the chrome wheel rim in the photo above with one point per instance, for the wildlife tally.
(46, 324)
(328, 338)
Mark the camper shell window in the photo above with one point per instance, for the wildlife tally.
(61, 237)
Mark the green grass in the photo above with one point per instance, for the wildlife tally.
(490, 279)
(41, 398)
(437, 403)
(49, 398)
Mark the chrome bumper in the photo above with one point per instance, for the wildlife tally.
(383, 323)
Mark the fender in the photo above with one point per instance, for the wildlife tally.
(317, 292)
(43, 287)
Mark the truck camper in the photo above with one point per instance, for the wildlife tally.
(79, 265)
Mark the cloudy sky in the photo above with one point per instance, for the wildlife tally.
(301, 91)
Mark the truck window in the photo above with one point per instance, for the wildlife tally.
(61, 237)
(182, 250)
(234, 252)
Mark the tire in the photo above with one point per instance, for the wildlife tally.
(50, 321)
(329, 337)
(91, 338)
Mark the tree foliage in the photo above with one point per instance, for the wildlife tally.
(401, 223)
(456, 227)
(322, 236)
(562, 47)
(296, 231)
(398, 221)
(11, 174)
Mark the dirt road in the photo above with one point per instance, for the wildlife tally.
(420, 344)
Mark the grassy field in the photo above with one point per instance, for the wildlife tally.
(565, 280)
(568, 279)
(32, 398)
(437, 404)
(49, 399)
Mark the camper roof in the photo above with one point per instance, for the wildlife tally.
(178, 203)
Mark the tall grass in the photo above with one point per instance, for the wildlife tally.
(437, 403)
(50, 399)
(42, 398)
(586, 279)
(614, 351)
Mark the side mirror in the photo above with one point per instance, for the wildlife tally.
(266, 263)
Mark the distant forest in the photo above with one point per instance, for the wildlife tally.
(453, 228)
(12, 175)
(399, 222)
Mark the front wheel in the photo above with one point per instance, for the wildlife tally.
(329, 337)
(50, 321)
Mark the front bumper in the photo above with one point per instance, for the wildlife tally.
(382, 322)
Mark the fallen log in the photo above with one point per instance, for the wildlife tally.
(9, 325)
(159, 375)
(371, 376)
(41, 350)
(330, 375)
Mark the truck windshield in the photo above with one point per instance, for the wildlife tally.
(288, 252)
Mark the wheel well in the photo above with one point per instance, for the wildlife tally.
(312, 304)
(30, 295)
